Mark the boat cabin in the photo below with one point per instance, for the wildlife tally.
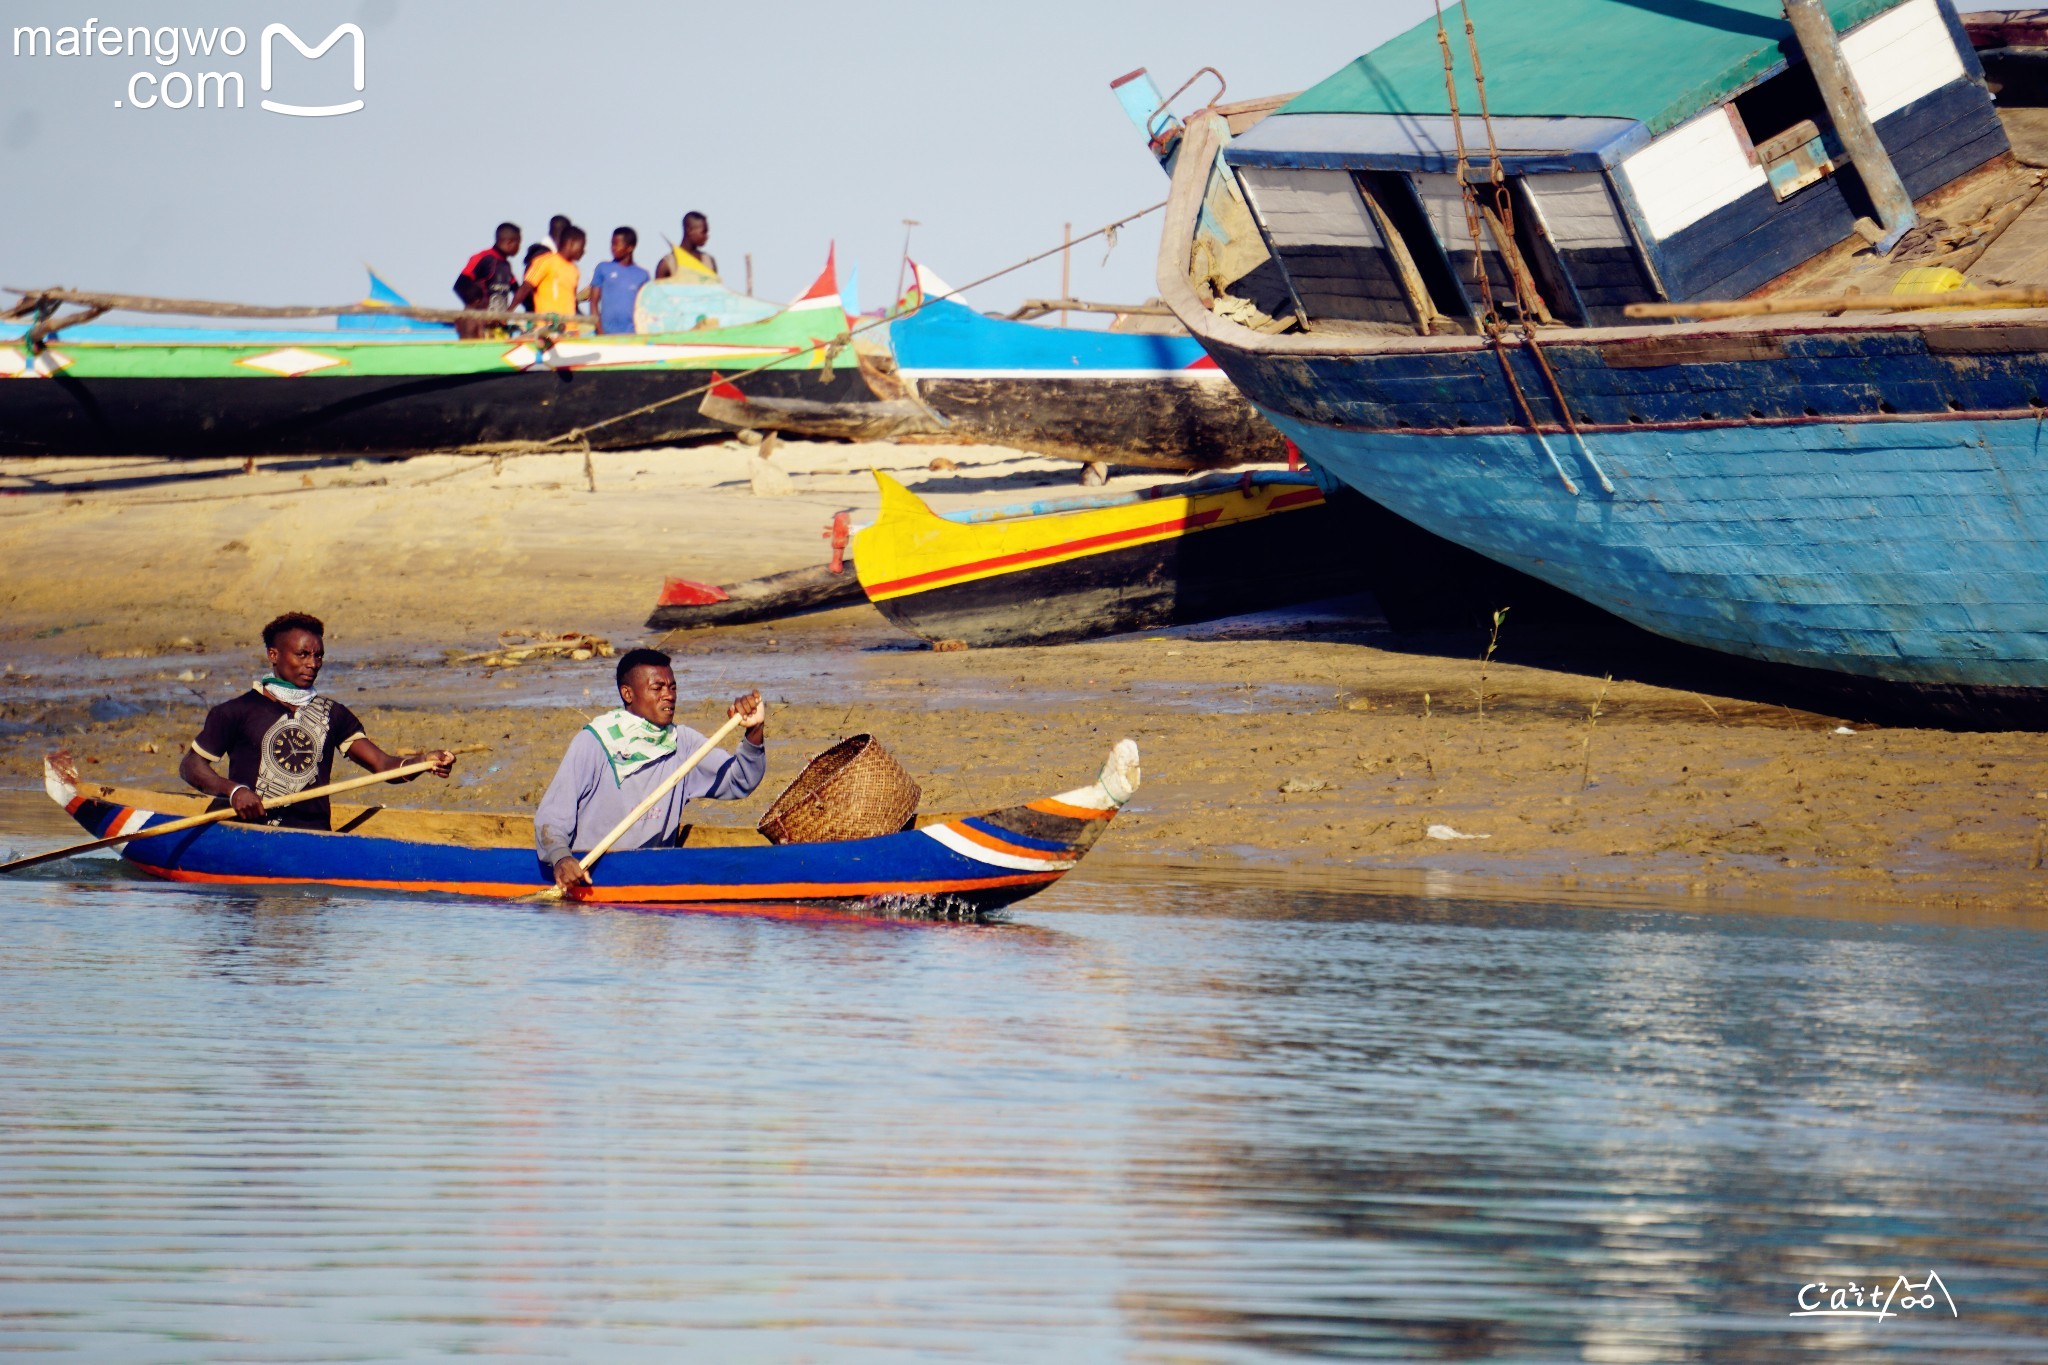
(1650, 151)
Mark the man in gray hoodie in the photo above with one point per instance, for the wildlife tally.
(614, 762)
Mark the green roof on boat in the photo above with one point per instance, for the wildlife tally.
(1657, 61)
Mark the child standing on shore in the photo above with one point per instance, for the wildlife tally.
(552, 280)
(615, 284)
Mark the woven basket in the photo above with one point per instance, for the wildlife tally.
(854, 790)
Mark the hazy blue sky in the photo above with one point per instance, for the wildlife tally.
(789, 124)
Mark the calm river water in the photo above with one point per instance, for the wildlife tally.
(1145, 1121)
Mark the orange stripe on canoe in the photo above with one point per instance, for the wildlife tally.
(989, 841)
(1048, 806)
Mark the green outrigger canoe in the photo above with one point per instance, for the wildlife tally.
(201, 391)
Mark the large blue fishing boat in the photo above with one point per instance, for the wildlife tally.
(1432, 284)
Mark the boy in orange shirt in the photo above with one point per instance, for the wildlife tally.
(553, 280)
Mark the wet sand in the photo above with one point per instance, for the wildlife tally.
(1295, 741)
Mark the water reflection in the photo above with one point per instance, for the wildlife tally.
(1239, 1124)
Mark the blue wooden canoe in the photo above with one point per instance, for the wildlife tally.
(957, 866)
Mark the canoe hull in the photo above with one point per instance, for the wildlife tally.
(957, 867)
(393, 414)
(1209, 548)
(1168, 422)
(1270, 562)
(791, 593)
(1076, 393)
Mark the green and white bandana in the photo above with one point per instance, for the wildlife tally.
(277, 689)
(630, 742)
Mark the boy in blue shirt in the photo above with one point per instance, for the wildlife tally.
(615, 284)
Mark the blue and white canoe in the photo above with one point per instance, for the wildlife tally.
(954, 866)
(1857, 501)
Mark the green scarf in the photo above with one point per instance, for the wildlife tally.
(630, 742)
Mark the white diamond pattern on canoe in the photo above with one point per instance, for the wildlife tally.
(15, 365)
(291, 361)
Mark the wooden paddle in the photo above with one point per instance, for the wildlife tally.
(214, 817)
(589, 860)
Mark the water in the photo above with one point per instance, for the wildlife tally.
(1145, 1121)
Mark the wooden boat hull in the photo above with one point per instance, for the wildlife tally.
(1151, 401)
(952, 867)
(1850, 503)
(1063, 571)
(400, 414)
(1160, 422)
(180, 391)
(685, 605)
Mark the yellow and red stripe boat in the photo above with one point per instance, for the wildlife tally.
(1074, 568)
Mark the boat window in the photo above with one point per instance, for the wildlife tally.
(1329, 243)
(1777, 105)
(1586, 237)
(1444, 204)
(1391, 197)
(1539, 253)
(1782, 119)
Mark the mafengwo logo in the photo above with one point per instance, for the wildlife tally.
(185, 49)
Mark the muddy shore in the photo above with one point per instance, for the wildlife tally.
(1299, 740)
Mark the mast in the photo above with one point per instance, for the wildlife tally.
(1823, 49)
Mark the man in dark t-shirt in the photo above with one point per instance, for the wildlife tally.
(280, 737)
(488, 282)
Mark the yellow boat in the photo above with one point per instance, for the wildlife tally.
(1075, 568)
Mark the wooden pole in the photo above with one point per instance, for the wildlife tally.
(1038, 308)
(903, 266)
(750, 274)
(1960, 299)
(1823, 49)
(1066, 267)
(208, 308)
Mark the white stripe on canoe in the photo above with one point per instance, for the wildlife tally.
(133, 821)
(967, 848)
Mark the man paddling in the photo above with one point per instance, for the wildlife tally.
(618, 759)
(281, 736)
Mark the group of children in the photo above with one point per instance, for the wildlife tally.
(552, 283)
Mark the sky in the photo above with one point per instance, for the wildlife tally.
(792, 126)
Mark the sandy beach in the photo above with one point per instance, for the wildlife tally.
(1298, 741)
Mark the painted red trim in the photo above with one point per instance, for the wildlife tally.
(1103, 541)
(2029, 414)
(688, 592)
(1298, 498)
